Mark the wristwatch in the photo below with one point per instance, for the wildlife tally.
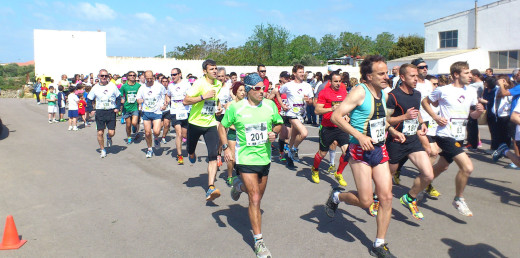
(224, 146)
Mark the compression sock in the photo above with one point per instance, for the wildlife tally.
(317, 160)
(342, 164)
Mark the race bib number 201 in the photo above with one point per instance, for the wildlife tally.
(256, 134)
(377, 129)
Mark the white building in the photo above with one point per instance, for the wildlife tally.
(489, 37)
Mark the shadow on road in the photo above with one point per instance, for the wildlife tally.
(200, 181)
(237, 218)
(4, 131)
(114, 149)
(507, 195)
(457, 249)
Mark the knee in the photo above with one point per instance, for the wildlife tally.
(148, 133)
(467, 169)
(304, 134)
(255, 198)
(385, 198)
(366, 202)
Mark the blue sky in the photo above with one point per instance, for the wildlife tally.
(141, 28)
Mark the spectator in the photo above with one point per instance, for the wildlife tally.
(37, 89)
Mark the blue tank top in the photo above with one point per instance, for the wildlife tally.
(370, 109)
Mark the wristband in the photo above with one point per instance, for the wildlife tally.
(201, 98)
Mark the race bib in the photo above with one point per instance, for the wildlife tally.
(182, 115)
(256, 134)
(105, 103)
(432, 125)
(149, 104)
(410, 126)
(458, 128)
(208, 108)
(377, 129)
(131, 98)
(297, 108)
(177, 104)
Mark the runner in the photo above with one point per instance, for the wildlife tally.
(456, 101)
(108, 102)
(286, 127)
(151, 96)
(403, 112)
(178, 112)
(165, 118)
(257, 123)
(203, 96)
(329, 100)
(223, 98)
(299, 93)
(367, 152)
(130, 107)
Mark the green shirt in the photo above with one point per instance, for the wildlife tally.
(252, 124)
(203, 112)
(52, 96)
(129, 92)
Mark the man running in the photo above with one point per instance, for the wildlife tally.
(178, 112)
(165, 118)
(152, 97)
(130, 107)
(257, 123)
(456, 101)
(285, 132)
(329, 100)
(299, 93)
(367, 155)
(203, 96)
(108, 102)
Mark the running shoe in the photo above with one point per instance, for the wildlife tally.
(157, 143)
(339, 178)
(261, 250)
(479, 144)
(75, 128)
(219, 160)
(235, 193)
(230, 180)
(163, 140)
(315, 175)
(290, 163)
(432, 192)
(331, 206)
(63, 120)
(381, 251)
(122, 121)
(70, 128)
(55, 121)
(332, 169)
(499, 153)
(462, 207)
(282, 157)
(395, 178)
(129, 140)
(180, 160)
(412, 206)
(109, 141)
(192, 159)
(212, 194)
(183, 140)
(374, 207)
(103, 153)
(295, 155)
(149, 153)
(50, 121)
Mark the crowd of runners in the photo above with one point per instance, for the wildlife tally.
(378, 125)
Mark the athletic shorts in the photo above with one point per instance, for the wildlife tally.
(260, 170)
(399, 151)
(52, 109)
(372, 158)
(430, 139)
(286, 121)
(151, 116)
(62, 110)
(231, 135)
(105, 119)
(73, 113)
(81, 112)
(131, 114)
(511, 129)
(330, 134)
(449, 146)
(165, 115)
(174, 121)
(219, 117)
(210, 138)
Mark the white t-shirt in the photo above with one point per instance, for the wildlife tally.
(454, 105)
(504, 107)
(295, 93)
(152, 96)
(225, 96)
(72, 101)
(177, 93)
(105, 96)
(478, 87)
(517, 134)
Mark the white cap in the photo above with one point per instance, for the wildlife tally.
(310, 76)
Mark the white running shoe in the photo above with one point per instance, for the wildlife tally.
(70, 128)
(103, 153)
(75, 128)
(462, 207)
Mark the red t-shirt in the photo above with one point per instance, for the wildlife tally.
(44, 90)
(284, 99)
(329, 97)
(81, 106)
(266, 85)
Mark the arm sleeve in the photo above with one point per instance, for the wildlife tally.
(194, 90)
(321, 98)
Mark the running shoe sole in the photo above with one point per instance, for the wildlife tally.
(214, 195)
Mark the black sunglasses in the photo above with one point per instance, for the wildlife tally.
(174, 74)
(103, 75)
(131, 75)
(262, 71)
(422, 67)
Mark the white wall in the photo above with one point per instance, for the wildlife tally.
(68, 52)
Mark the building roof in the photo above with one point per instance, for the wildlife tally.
(467, 11)
(26, 63)
(433, 55)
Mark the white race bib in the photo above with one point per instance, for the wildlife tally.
(208, 108)
(256, 134)
(177, 104)
(432, 125)
(105, 103)
(149, 104)
(458, 128)
(131, 98)
(182, 115)
(298, 108)
(410, 126)
(377, 129)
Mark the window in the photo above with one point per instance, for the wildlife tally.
(504, 59)
(448, 39)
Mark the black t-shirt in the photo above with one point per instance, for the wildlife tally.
(400, 102)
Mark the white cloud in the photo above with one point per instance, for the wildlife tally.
(146, 17)
(96, 12)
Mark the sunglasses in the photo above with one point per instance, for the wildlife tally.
(103, 75)
(435, 84)
(131, 75)
(255, 88)
(422, 67)
(174, 74)
(262, 71)
(164, 81)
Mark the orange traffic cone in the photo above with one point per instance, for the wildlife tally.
(11, 239)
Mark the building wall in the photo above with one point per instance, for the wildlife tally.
(58, 52)
(497, 23)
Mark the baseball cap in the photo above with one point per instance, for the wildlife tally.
(417, 61)
(284, 74)
(310, 76)
(332, 68)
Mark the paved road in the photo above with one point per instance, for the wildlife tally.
(67, 202)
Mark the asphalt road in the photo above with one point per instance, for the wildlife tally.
(67, 202)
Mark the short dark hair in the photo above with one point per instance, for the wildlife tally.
(429, 77)
(335, 73)
(457, 68)
(366, 65)
(60, 88)
(475, 72)
(297, 67)
(232, 74)
(490, 69)
(208, 62)
(258, 67)
(402, 69)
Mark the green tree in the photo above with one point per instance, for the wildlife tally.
(329, 47)
(383, 43)
(301, 46)
(354, 44)
(203, 50)
(407, 46)
(269, 44)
